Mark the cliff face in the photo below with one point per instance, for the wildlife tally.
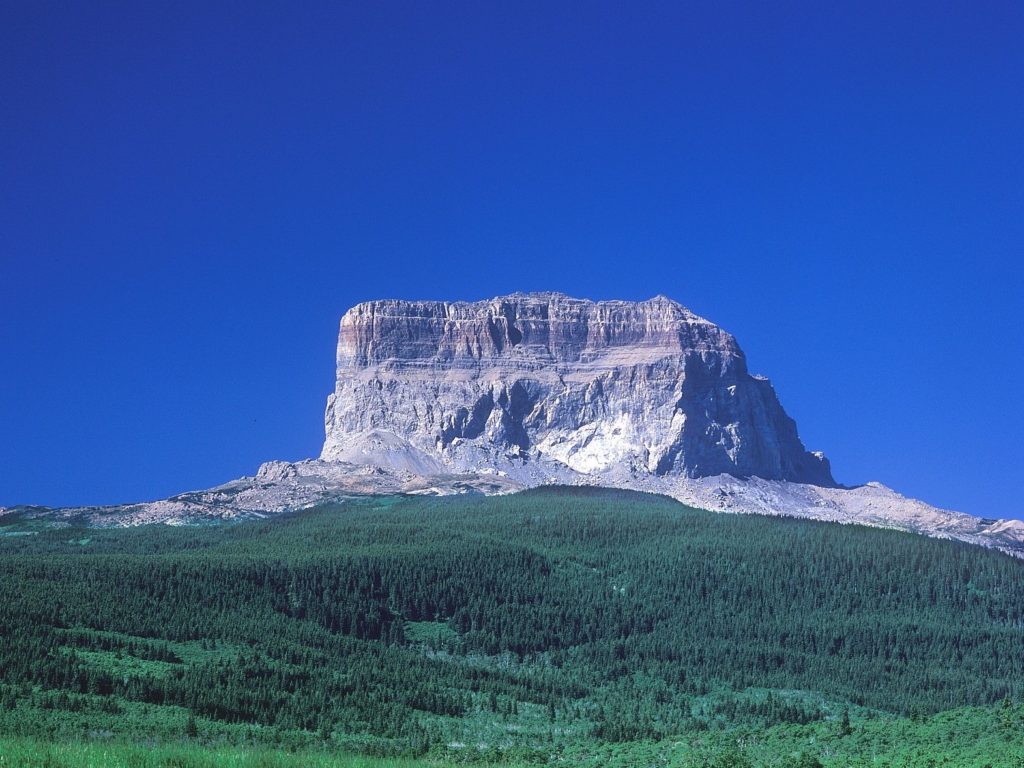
(496, 396)
(610, 387)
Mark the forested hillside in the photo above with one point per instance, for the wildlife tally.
(552, 622)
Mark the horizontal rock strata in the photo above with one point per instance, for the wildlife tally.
(607, 386)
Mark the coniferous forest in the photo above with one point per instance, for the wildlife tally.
(561, 626)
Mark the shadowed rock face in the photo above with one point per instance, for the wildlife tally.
(604, 388)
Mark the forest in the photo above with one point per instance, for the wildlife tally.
(569, 626)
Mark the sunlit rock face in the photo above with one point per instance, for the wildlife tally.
(529, 383)
(496, 396)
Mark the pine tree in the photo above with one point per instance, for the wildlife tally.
(844, 723)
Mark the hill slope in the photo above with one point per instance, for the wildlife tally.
(585, 615)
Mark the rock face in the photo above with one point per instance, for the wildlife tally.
(644, 388)
(496, 396)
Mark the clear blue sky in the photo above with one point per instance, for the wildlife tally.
(192, 194)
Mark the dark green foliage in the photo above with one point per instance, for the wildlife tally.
(601, 614)
(803, 760)
(845, 729)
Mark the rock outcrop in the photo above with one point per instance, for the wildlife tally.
(646, 388)
(496, 396)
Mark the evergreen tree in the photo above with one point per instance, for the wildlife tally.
(844, 723)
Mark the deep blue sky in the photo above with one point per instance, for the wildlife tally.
(191, 196)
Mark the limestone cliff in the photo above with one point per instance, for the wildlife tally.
(496, 396)
(599, 387)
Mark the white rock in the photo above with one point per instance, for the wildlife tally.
(532, 389)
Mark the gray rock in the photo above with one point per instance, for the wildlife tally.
(524, 390)
(595, 386)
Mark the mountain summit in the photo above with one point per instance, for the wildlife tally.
(531, 389)
(638, 388)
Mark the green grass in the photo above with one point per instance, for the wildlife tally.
(433, 633)
(124, 664)
(188, 651)
(29, 753)
(986, 737)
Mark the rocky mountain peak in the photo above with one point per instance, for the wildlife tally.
(494, 396)
(600, 387)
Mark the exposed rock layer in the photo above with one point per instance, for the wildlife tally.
(596, 386)
(496, 396)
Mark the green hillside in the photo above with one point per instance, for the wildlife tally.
(570, 626)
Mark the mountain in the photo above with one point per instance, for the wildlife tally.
(607, 387)
(533, 389)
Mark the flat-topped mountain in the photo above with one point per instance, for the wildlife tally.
(609, 386)
(494, 396)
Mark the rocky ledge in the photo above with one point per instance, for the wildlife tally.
(647, 387)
